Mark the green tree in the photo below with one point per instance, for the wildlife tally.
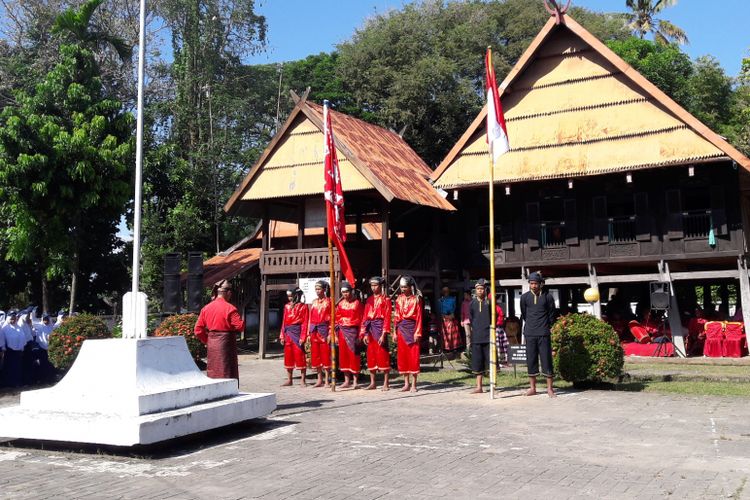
(739, 130)
(64, 177)
(642, 20)
(666, 66)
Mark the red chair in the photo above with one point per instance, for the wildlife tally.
(639, 332)
(714, 339)
(735, 341)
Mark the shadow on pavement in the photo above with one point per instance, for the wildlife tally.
(174, 448)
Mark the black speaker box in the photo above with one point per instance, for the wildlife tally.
(194, 292)
(195, 263)
(172, 293)
(659, 295)
(172, 263)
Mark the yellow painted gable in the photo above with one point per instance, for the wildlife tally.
(571, 112)
(295, 167)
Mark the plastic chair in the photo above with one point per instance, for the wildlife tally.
(714, 339)
(735, 340)
(639, 332)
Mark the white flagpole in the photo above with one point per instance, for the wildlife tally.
(493, 307)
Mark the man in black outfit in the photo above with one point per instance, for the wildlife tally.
(538, 314)
(481, 321)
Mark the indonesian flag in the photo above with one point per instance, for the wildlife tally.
(334, 197)
(497, 134)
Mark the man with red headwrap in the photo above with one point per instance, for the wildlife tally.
(217, 327)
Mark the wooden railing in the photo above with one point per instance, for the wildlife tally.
(307, 260)
(697, 223)
(622, 229)
(552, 234)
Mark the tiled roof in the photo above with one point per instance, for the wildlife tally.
(370, 157)
(573, 108)
(228, 266)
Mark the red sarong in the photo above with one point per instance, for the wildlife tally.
(451, 334)
(378, 357)
(348, 359)
(222, 355)
(320, 354)
(408, 356)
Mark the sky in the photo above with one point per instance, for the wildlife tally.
(298, 28)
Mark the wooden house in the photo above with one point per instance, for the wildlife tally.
(608, 181)
(384, 181)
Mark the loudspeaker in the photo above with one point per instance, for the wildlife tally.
(172, 293)
(659, 295)
(195, 263)
(172, 263)
(194, 292)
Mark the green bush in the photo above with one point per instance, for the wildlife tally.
(586, 349)
(65, 341)
(183, 325)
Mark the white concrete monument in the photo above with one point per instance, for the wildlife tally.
(135, 390)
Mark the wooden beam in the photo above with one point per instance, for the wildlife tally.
(301, 225)
(413, 273)
(704, 275)
(675, 324)
(385, 246)
(265, 228)
(744, 290)
(594, 283)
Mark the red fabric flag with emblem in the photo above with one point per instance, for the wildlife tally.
(497, 134)
(334, 196)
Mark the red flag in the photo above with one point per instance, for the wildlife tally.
(497, 134)
(334, 197)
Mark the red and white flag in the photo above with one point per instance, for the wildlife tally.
(334, 197)
(497, 134)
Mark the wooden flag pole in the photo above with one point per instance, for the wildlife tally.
(332, 327)
(493, 301)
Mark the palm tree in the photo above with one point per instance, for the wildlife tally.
(77, 22)
(642, 20)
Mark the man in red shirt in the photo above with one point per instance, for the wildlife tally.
(217, 327)
(374, 332)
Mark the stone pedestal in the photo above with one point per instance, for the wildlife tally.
(127, 392)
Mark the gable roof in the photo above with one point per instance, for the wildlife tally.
(573, 107)
(370, 157)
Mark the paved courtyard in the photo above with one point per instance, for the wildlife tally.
(439, 443)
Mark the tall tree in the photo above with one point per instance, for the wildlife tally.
(642, 20)
(65, 151)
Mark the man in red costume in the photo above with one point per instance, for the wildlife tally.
(348, 321)
(217, 327)
(319, 331)
(408, 331)
(293, 335)
(374, 332)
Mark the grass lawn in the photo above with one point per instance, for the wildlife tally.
(461, 376)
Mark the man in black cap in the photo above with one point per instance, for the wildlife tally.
(481, 323)
(538, 314)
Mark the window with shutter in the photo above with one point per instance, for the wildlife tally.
(571, 222)
(600, 221)
(643, 219)
(532, 225)
(718, 211)
(674, 222)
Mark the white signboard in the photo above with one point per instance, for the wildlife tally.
(307, 285)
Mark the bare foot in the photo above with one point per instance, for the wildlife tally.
(405, 389)
(414, 388)
(478, 390)
(385, 388)
(319, 384)
(345, 385)
(303, 384)
(370, 387)
(551, 393)
(287, 383)
(530, 392)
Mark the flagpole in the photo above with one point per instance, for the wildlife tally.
(493, 301)
(332, 327)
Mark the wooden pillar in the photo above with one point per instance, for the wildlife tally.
(385, 246)
(707, 302)
(359, 236)
(301, 226)
(263, 318)
(436, 254)
(724, 294)
(594, 283)
(263, 312)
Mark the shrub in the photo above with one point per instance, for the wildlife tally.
(586, 349)
(65, 341)
(183, 325)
